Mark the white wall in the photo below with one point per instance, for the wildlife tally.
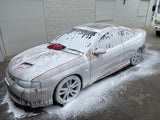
(133, 13)
(27, 23)
(22, 24)
(104, 10)
(142, 13)
(63, 14)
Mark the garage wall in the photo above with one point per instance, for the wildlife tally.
(104, 10)
(22, 24)
(142, 13)
(63, 14)
(132, 13)
(27, 23)
(126, 14)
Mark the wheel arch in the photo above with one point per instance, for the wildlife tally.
(80, 77)
(141, 49)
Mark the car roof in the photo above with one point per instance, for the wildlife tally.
(99, 27)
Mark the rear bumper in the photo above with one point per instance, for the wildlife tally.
(28, 97)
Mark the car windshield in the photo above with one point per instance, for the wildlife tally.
(77, 40)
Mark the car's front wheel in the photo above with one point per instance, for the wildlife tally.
(136, 58)
(68, 89)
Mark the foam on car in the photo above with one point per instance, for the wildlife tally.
(96, 26)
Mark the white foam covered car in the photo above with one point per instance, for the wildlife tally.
(56, 72)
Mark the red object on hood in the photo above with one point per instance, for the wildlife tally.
(56, 46)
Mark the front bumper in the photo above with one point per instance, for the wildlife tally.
(28, 97)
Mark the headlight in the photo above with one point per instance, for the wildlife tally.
(27, 84)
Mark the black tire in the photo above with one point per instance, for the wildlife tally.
(157, 33)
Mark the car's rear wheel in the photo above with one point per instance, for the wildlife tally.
(136, 58)
(68, 89)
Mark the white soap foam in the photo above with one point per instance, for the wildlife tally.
(17, 112)
(98, 96)
(12, 108)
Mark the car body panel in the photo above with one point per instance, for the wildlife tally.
(48, 67)
(104, 63)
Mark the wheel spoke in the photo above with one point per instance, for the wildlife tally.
(75, 84)
(134, 59)
(62, 92)
(63, 89)
(68, 84)
(74, 91)
(68, 89)
(71, 94)
(65, 97)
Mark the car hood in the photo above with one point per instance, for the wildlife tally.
(38, 60)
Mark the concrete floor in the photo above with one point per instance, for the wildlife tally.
(140, 99)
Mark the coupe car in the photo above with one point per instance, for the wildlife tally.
(55, 72)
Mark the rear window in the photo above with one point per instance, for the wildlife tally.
(126, 34)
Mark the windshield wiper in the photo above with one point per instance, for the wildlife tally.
(74, 50)
(69, 48)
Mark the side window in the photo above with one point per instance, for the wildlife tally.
(117, 38)
(110, 39)
(126, 34)
(105, 41)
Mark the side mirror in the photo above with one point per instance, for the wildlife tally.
(99, 51)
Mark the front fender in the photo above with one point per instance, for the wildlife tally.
(79, 67)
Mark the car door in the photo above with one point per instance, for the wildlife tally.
(128, 42)
(105, 64)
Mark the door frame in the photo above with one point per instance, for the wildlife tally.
(2, 48)
(1, 56)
